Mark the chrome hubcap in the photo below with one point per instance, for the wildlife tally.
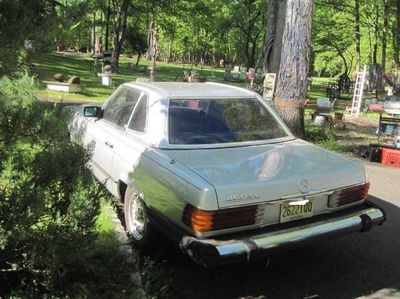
(136, 223)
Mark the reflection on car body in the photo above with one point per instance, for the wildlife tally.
(214, 169)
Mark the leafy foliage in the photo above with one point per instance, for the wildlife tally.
(333, 47)
(48, 201)
(205, 31)
(198, 32)
(22, 24)
(334, 34)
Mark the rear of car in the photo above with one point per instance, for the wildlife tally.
(272, 191)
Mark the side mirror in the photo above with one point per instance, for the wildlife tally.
(92, 111)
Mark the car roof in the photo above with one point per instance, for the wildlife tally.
(191, 90)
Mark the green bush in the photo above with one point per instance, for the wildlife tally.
(316, 134)
(48, 200)
(325, 137)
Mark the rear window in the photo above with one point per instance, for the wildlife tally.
(221, 121)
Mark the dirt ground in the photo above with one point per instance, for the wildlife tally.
(361, 131)
(361, 122)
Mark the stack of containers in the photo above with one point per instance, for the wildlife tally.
(391, 157)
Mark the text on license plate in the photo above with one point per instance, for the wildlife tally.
(293, 212)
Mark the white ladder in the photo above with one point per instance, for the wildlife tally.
(358, 92)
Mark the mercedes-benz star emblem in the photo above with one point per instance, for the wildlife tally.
(303, 185)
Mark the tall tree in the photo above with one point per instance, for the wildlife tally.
(154, 46)
(335, 41)
(357, 33)
(376, 9)
(291, 87)
(107, 13)
(276, 13)
(338, 41)
(396, 40)
(119, 14)
(250, 19)
(384, 32)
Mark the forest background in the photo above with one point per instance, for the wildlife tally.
(346, 34)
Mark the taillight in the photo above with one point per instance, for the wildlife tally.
(204, 221)
(348, 195)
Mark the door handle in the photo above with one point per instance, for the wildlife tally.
(109, 144)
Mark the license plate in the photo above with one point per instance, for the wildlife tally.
(290, 212)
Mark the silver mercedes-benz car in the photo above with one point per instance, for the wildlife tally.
(213, 168)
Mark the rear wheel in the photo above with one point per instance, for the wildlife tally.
(137, 220)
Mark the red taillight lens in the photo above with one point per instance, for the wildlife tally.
(348, 195)
(204, 221)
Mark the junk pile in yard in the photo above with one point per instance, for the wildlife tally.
(388, 153)
(381, 154)
(389, 127)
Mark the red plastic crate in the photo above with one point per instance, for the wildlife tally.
(391, 157)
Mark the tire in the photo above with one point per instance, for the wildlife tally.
(137, 221)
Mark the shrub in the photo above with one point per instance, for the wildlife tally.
(324, 137)
(316, 134)
(48, 201)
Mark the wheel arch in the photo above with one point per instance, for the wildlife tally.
(123, 186)
(122, 189)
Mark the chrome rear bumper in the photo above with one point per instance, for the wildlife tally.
(212, 251)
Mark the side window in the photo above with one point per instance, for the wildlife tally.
(139, 118)
(119, 108)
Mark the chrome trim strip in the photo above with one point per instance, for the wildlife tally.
(171, 146)
(232, 249)
(294, 235)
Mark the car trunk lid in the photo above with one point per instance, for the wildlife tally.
(263, 173)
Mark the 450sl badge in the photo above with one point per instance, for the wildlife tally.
(238, 197)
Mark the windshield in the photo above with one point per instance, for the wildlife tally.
(211, 121)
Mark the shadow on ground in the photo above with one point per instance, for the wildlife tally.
(348, 267)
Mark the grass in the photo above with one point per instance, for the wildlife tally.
(82, 65)
(46, 65)
(113, 270)
(105, 230)
(326, 138)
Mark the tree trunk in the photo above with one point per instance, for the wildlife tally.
(368, 25)
(292, 84)
(149, 38)
(251, 37)
(153, 69)
(358, 34)
(94, 33)
(107, 25)
(276, 10)
(346, 67)
(397, 37)
(384, 33)
(376, 31)
(119, 28)
(138, 58)
(169, 53)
